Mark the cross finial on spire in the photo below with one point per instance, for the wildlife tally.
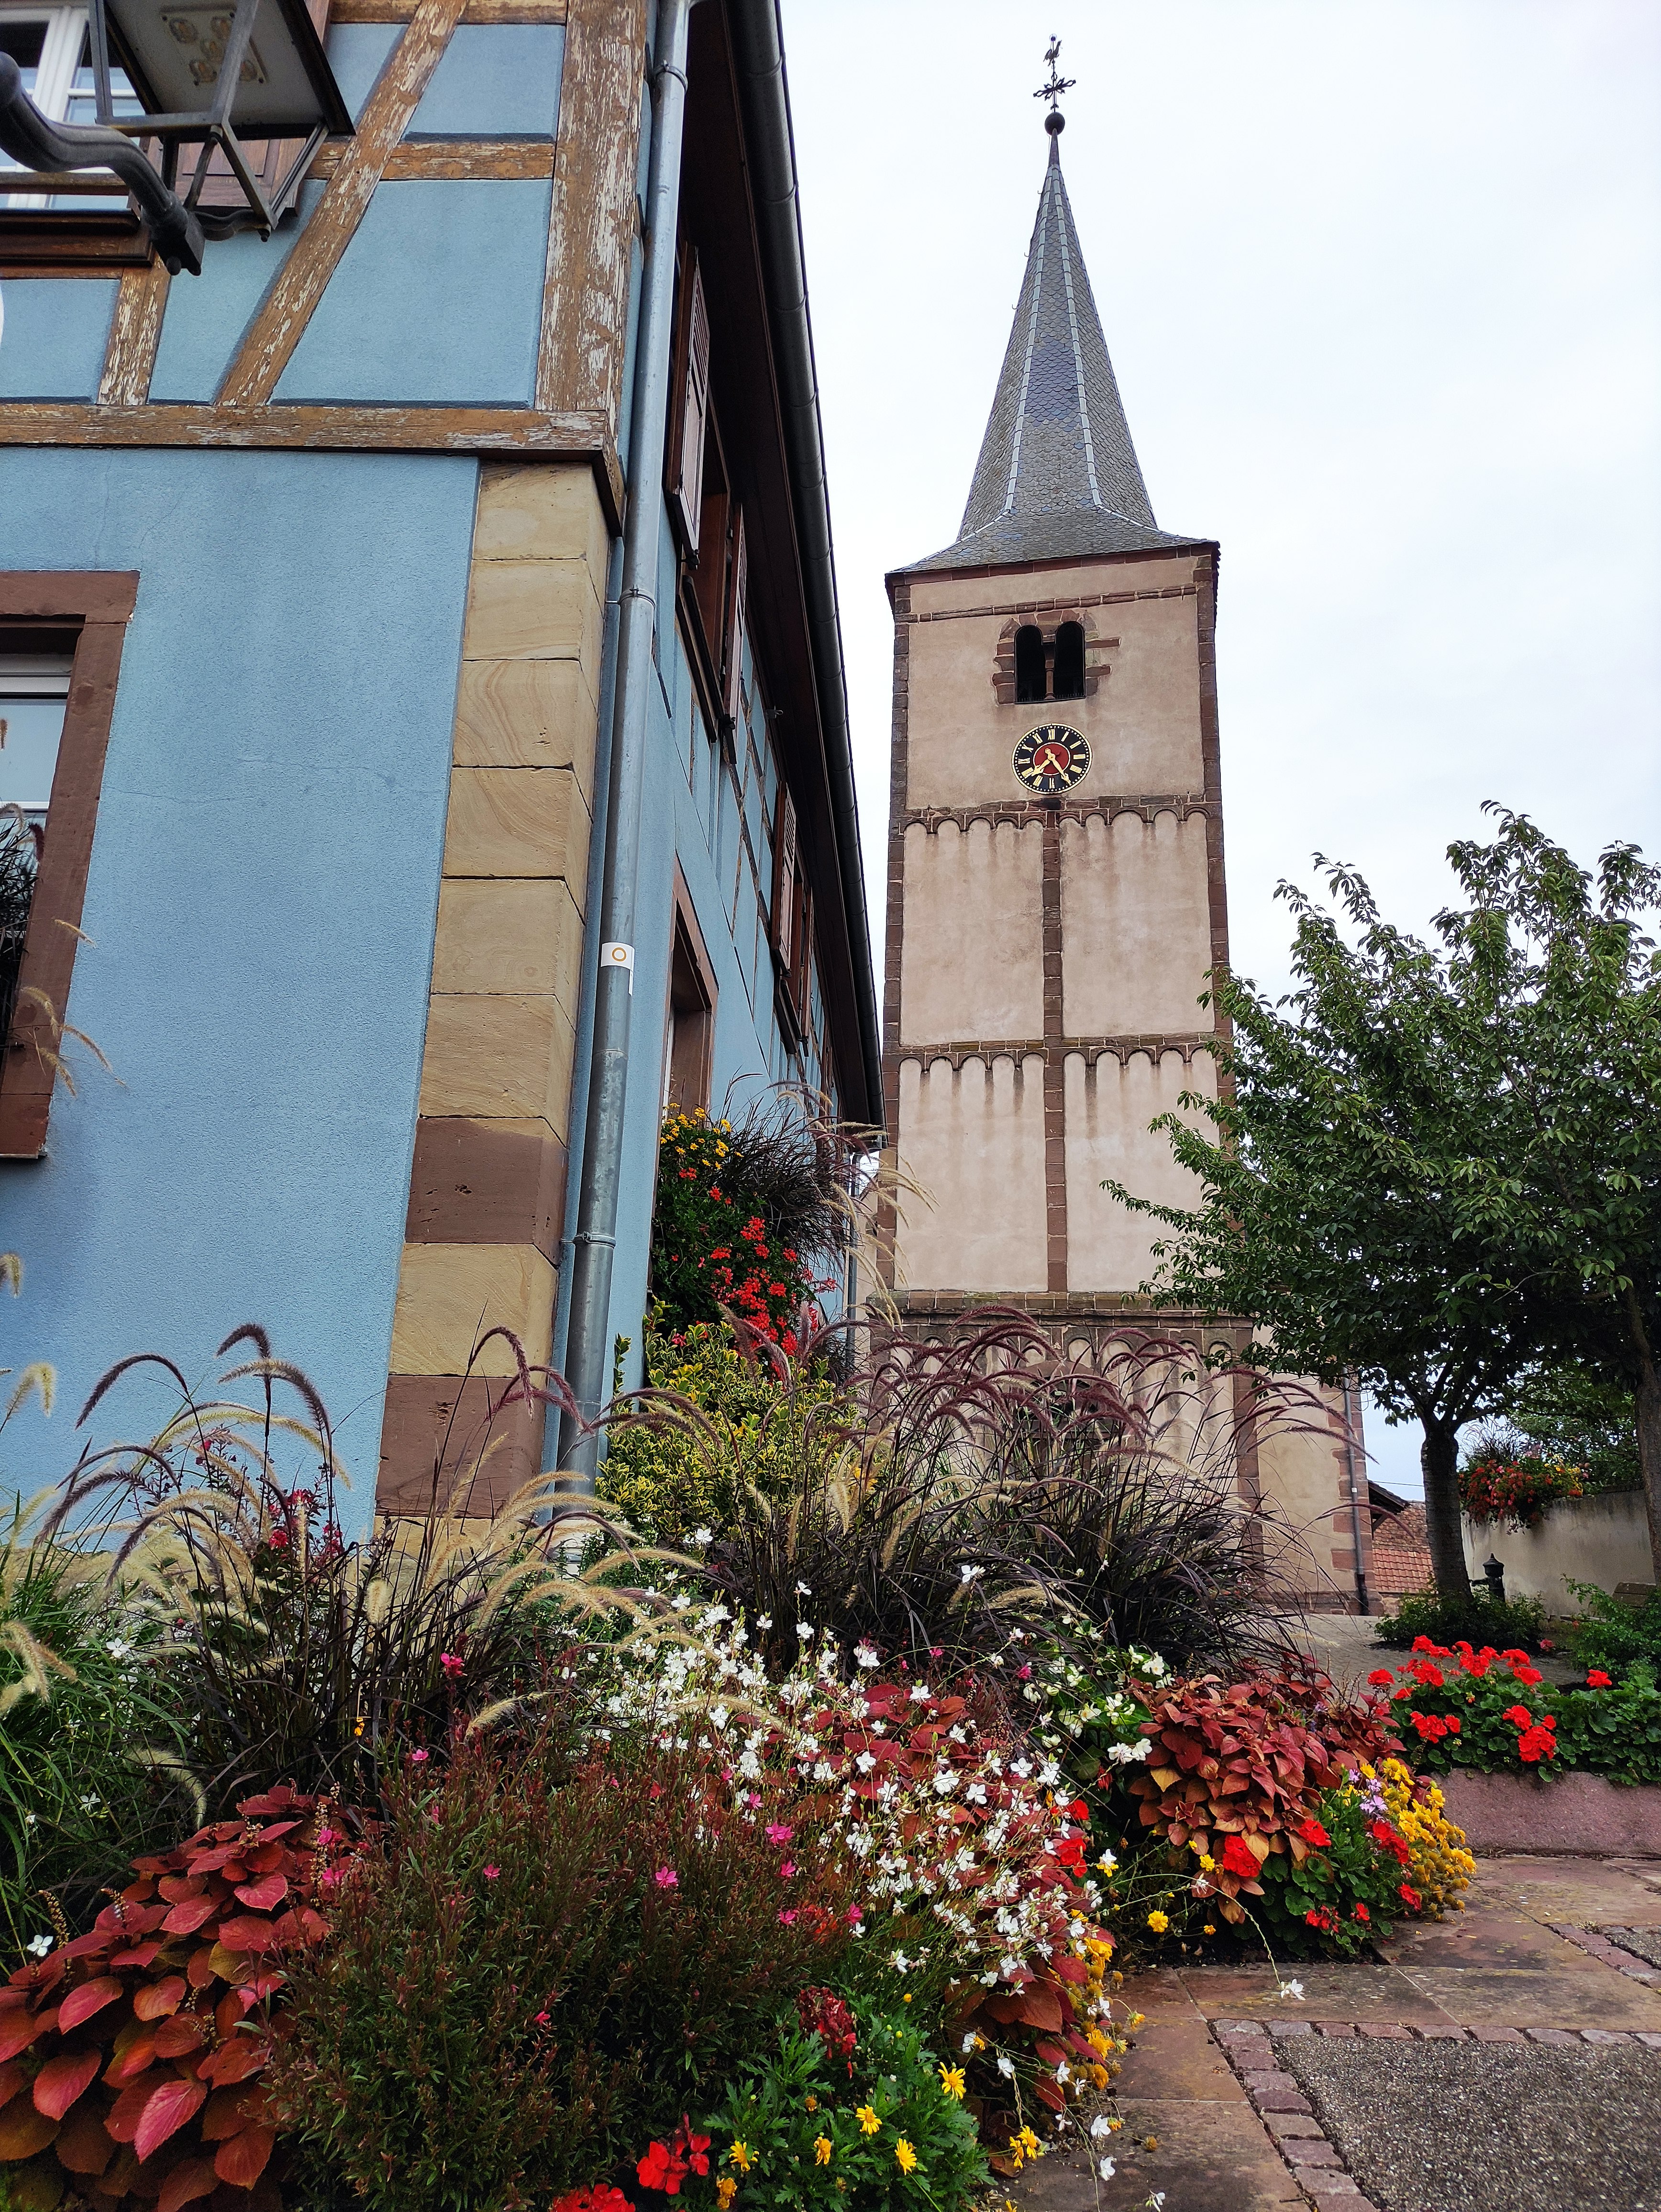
(1055, 122)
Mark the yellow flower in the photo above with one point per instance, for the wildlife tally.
(812, 2103)
(1136, 2020)
(1210, 1928)
(739, 2156)
(1208, 1864)
(868, 2119)
(1113, 2126)
(1158, 1922)
(821, 2150)
(951, 2081)
(1029, 2143)
(725, 2190)
(906, 2156)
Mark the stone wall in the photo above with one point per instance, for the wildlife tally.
(1603, 1539)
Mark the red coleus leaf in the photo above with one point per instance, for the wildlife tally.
(139, 1957)
(194, 2178)
(123, 2118)
(23, 2131)
(131, 2059)
(178, 2035)
(166, 2111)
(260, 1896)
(61, 2080)
(188, 1914)
(84, 2145)
(235, 2061)
(242, 2160)
(13, 2077)
(227, 2111)
(91, 1996)
(249, 1932)
(160, 1998)
(18, 2029)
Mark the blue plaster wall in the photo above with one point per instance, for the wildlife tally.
(495, 80)
(55, 329)
(262, 895)
(437, 300)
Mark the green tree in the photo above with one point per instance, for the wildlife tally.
(1557, 961)
(1345, 1174)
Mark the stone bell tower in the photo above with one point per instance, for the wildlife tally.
(1056, 888)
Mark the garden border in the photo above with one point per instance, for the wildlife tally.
(1313, 2160)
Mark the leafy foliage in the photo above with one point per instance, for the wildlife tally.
(801, 2133)
(1349, 1882)
(1612, 1633)
(79, 1709)
(543, 1967)
(1463, 1707)
(1519, 1620)
(1572, 1414)
(132, 2059)
(714, 1420)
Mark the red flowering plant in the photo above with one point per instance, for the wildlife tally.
(1342, 1880)
(132, 2058)
(1515, 1488)
(1463, 1706)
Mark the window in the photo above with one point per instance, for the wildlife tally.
(690, 1043)
(60, 636)
(53, 49)
(32, 690)
(1069, 661)
(1029, 664)
(692, 405)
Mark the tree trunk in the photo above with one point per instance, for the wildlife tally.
(1439, 1455)
(1649, 1451)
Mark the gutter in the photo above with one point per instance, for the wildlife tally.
(757, 42)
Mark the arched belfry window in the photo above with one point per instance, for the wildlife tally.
(1029, 663)
(1069, 661)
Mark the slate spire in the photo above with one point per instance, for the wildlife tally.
(1057, 476)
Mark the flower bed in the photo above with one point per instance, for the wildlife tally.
(1494, 1712)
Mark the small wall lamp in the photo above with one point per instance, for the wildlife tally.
(204, 80)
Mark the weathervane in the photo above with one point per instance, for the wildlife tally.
(1055, 121)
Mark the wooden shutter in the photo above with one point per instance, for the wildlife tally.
(784, 880)
(686, 464)
(738, 581)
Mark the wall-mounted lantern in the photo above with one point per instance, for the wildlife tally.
(207, 76)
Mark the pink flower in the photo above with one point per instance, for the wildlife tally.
(492, 1871)
(451, 1662)
(666, 1878)
(779, 1833)
(1024, 1673)
(786, 1869)
(417, 1758)
(544, 2020)
(788, 1919)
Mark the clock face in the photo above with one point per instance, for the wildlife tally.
(1051, 759)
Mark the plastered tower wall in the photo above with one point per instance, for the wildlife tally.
(1047, 948)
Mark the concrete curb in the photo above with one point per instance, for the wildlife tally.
(1576, 1814)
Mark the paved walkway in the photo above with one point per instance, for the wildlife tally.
(1507, 2059)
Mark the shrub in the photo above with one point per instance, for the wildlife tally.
(1463, 1707)
(886, 2126)
(1587, 1420)
(1520, 1621)
(1438, 1865)
(1514, 1488)
(131, 2059)
(542, 1968)
(78, 1706)
(292, 1652)
(712, 1419)
(1612, 1633)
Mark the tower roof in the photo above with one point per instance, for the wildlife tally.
(1058, 476)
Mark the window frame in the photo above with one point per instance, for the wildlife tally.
(98, 605)
(689, 1030)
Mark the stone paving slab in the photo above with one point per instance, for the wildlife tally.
(1641, 1942)
(1468, 2127)
(1212, 2156)
(1590, 1995)
(1350, 1992)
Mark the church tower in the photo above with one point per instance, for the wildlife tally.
(1056, 888)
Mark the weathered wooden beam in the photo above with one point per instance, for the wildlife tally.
(135, 333)
(517, 159)
(476, 11)
(277, 328)
(593, 225)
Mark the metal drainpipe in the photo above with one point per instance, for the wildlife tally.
(1356, 1460)
(588, 1353)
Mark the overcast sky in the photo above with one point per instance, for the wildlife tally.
(1382, 284)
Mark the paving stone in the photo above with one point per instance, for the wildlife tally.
(1646, 2037)
(1211, 2157)
(1286, 2125)
(1386, 2031)
(1281, 2101)
(1443, 2034)
(1337, 2188)
(1239, 2027)
(1604, 2035)
(1257, 2083)
(1334, 2027)
(1312, 2152)
(1281, 2027)
(1560, 2035)
(1499, 2035)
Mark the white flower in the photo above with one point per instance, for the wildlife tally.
(1128, 1754)
(802, 1590)
(1021, 1766)
(703, 1536)
(975, 1793)
(1064, 2072)
(805, 1629)
(1098, 2127)
(864, 1656)
(118, 1648)
(864, 1762)
(720, 1715)
(969, 2042)
(902, 1961)
(944, 1781)
(683, 1603)
(1291, 1990)
(763, 1620)
(1155, 2197)
(920, 1693)
(971, 1574)
(1048, 1774)
(39, 1946)
(1005, 2067)
(1107, 2168)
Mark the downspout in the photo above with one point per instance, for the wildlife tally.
(1355, 1457)
(587, 1351)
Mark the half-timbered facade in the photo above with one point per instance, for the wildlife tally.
(309, 582)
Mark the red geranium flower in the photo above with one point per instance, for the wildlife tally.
(1597, 1680)
(1361, 1912)
(1411, 1898)
(1381, 1678)
(1519, 1715)
(1312, 1832)
(1239, 1858)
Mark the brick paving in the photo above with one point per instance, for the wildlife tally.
(1528, 1977)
